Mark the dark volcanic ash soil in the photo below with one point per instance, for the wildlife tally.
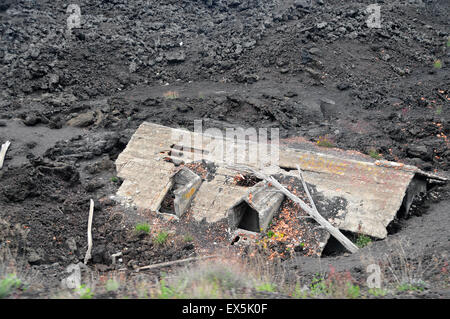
(69, 102)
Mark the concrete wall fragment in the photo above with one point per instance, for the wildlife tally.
(255, 210)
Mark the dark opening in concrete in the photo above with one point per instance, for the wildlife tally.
(185, 184)
(167, 205)
(415, 193)
(334, 247)
(249, 218)
(255, 210)
(413, 204)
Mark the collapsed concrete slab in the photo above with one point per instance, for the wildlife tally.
(354, 193)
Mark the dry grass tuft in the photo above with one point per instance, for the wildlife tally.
(16, 276)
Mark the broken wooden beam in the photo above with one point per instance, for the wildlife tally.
(175, 262)
(3, 151)
(89, 233)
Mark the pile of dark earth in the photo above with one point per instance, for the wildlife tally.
(70, 101)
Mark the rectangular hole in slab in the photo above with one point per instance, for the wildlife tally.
(248, 217)
(177, 199)
(167, 204)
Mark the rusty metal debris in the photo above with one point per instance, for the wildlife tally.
(354, 194)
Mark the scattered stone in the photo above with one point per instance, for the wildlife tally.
(343, 86)
(82, 120)
(420, 151)
(31, 120)
(133, 67)
(183, 108)
(311, 111)
(35, 52)
(71, 244)
(31, 144)
(321, 25)
(175, 57)
(33, 256)
(53, 79)
(93, 186)
(328, 108)
(100, 255)
(314, 51)
(303, 3)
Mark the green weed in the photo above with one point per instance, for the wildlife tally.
(377, 292)
(363, 241)
(268, 287)
(374, 154)
(318, 286)
(142, 228)
(299, 292)
(324, 142)
(410, 287)
(85, 292)
(112, 285)
(167, 292)
(437, 64)
(353, 291)
(8, 285)
(162, 237)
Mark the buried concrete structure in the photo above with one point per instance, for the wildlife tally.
(255, 210)
(352, 191)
